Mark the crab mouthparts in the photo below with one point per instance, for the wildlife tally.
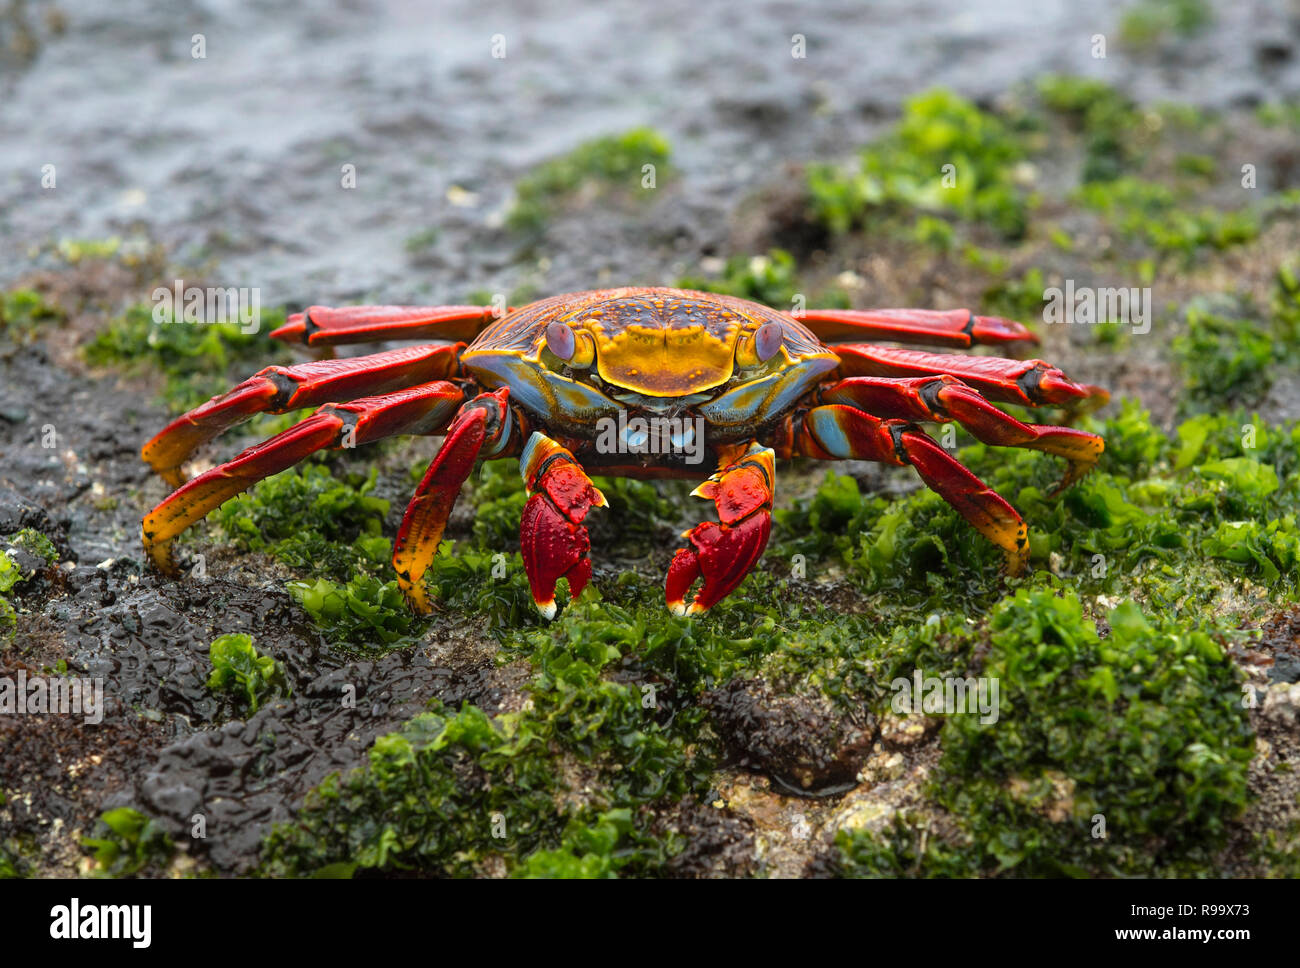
(640, 401)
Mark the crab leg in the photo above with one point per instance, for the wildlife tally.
(945, 398)
(953, 327)
(323, 326)
(279, 389)
(483, 427)
(418, 410)
(551, 533)
(1030, 382)
(841, 432)
(724, 553)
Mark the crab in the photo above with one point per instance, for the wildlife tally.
(636, 382)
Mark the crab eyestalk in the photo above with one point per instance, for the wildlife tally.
(761, 347)
(572, 346)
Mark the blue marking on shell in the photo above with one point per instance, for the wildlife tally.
(548, 395)
(765, 398)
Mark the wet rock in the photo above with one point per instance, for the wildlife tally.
(802, 741)
(900, 732)
(719, 843)
(1282, 704)
(1280, 641)
(17, 512)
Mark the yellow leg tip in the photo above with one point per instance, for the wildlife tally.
(417, 600)
(160, 553)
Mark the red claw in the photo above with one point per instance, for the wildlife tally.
(552, 536)
(723, 554)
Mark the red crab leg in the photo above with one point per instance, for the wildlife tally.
(551, 533)
(840, 432)
(483, 427)
(944, 398)
(279, 389)
(1030, 382)
(953, 327)
(323, 326)
(417, 410)
(723, 554)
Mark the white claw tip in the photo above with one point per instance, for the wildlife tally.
(547, 609)
(677, 608)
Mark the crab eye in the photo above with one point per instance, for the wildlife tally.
(767, 341)
(560, 341)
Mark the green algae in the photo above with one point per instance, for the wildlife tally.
(1098, 698)
(34, 543)
(24, 312)
(1113, 129)
(1154, 213)
(944, 155)
(771, 279)
(315, 519)
(948, 157)
(126, 842)
(10, 575)
(1230, 360)
(1119, 754)
(606, 164)
(198, 360)
(237, 667)
(363, 612)
(1148, 22)
(30, 542)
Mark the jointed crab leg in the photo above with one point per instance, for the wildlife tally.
(954, 327)
(838, 431)
(551, 533)
(724, 553)
(279, 389)
(1030, 382)
(484, 427)
(418, 410)
(944, 398)
(323, 326)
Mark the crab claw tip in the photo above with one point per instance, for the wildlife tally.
(546, 609)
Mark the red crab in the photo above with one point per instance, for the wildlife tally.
(642, 383)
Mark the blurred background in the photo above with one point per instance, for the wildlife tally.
(233, 159)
